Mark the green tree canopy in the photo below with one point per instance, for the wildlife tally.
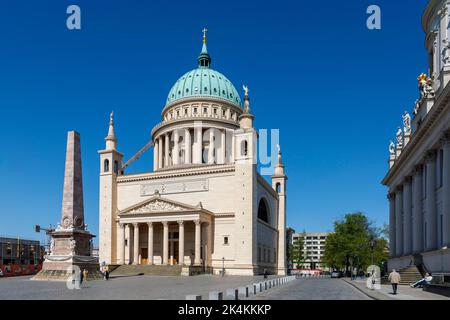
(353, 242)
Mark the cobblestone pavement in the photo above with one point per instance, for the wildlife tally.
(122, 288)
(314, 289)
(404, 292)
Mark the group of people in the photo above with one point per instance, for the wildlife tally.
(85, 273)
(395, 278)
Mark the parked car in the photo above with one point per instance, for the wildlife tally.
(336, 274)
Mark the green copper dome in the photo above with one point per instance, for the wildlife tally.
(204, 82)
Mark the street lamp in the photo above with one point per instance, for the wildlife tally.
(223, 266)
(372, 245)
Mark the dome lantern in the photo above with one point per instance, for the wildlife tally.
(204, 59)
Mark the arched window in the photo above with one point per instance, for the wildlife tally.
(278, 187)
(263, 211)
(244, 148)
(106, 165)
(116, 167)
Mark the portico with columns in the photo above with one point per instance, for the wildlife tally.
(164, 232)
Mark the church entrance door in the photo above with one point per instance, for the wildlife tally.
(144, 256)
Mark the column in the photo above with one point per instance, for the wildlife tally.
(446, 191)
(198, 231)
(197, 145)
(160, 152)
(431, 219)
(223, 146)
(176, 147)
(417, 211)
(208, 244)
(136, 243)
(211, 155)
(407, 212)
(181, 243)
(399, 221)
(165, 243)
(121, 243)
(156, 155)
(187, 147)
(150, 243)
(166, 151)
(392, 239)
(128, 232)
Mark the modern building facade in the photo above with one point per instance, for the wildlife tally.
(419, 161)
(204, 205)
(313, 249)
(20, 251)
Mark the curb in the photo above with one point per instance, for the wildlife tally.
(247, 291)
(363, 291)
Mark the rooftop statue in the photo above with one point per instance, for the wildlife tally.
(445, 50)
(392, 148)
(399, 137)
(406, 122)
(245, 90)
(416, 107)
(425, 86)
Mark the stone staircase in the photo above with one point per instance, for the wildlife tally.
(153, 270)
(408, 275)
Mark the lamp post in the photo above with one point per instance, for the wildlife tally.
(223, 266)
(372, 245)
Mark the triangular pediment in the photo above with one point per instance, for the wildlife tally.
(158, 204)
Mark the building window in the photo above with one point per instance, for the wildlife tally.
(259, 254)
(278, 187)
(244, 148)
(106, 165)
(225, 241)
(263, 212)
(116, 167)
(441, 167)
(424, 178)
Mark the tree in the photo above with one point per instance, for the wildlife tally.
(297, 251)
(355, 243)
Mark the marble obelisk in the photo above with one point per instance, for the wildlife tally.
(71, 244)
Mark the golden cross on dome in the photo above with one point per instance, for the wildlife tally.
(204, 34)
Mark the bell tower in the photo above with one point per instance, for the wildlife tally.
(110, 169)
(279, 185)
(245, 153)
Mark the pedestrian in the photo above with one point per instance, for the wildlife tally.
(265, 274)
(85, 274)
(394, 279)
(106, 273)
(81, 278)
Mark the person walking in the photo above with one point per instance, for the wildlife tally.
(81, 278)
(265, 274)
(394, 279)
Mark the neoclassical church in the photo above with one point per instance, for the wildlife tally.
(204, 206)
(419, 162)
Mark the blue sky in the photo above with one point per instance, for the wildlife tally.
(335, 89)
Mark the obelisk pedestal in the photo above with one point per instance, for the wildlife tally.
(71, 244)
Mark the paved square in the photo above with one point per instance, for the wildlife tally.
(122, 288)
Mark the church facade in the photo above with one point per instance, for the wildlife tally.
(204, 206)
(419, 161)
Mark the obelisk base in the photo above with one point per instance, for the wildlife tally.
(60, 268)
(70, 252)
